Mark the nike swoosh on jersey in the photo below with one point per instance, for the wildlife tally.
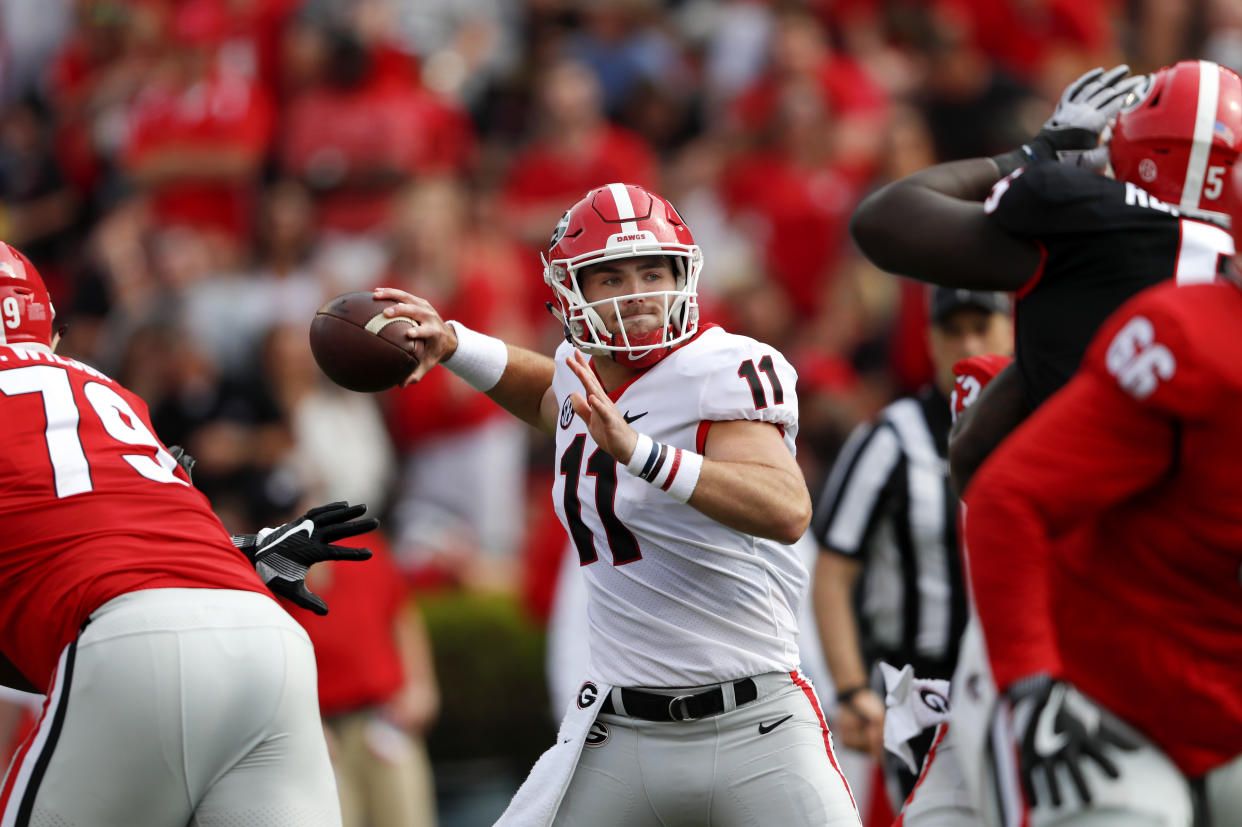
(1047, 742)
(630, 419)
(764, 729)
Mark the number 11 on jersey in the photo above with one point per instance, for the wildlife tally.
(603, 467)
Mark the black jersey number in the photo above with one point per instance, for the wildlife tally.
(747, 371)
(603, 467)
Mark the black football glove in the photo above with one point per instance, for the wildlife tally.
(1058, 727)
(283, 555)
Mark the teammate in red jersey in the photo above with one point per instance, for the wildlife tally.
(1105, 543)
(177, 689)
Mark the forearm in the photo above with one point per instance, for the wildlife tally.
(758, 499)
(834, 617)
(415, 647)
(968, 180)
(931, 226)
(523, 387)
(896, 208)
(516, 379)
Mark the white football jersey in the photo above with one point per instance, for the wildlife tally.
(674, 598)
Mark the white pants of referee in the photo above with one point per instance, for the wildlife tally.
(179, 707)
(769, 762)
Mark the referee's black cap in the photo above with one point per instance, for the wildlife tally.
(946, 301)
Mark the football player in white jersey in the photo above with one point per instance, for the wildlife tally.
(679, 488)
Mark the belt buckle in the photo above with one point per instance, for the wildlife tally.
(683, 709)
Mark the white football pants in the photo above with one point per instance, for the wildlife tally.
(179, 707)
(767, 763)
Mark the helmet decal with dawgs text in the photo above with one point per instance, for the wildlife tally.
(613, 222)
(25, 307)
(1178, 136)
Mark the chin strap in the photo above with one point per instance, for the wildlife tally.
(560, 317)
(648, 358)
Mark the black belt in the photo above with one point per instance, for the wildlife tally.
(651, 706)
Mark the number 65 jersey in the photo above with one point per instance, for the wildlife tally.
(674, 598)
(91, 507)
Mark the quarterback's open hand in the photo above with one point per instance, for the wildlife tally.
(282, 555)
(439, 339)
(1058, 730)
(604, 422)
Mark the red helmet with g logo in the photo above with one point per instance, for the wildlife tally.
(1178, 136)
(25, 307)
(622, 221)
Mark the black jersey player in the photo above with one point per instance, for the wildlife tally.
(1071, 243)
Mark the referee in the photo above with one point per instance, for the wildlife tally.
(888, 583)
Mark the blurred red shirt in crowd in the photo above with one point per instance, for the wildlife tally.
(359, 662)
(199, 130)
(1022, 37)
(364, 129)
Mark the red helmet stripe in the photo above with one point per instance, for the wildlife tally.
(625, 208)
(1201, 143)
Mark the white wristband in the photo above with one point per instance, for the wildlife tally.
(674, 470)
(479, 359)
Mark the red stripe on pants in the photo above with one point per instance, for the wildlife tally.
(823, 725)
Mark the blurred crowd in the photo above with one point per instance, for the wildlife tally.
(195, 177)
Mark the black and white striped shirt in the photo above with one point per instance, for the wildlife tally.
(887, 503)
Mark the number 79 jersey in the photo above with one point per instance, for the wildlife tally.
(91, 506)
(674, 598)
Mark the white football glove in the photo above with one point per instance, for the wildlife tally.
(1087, 107)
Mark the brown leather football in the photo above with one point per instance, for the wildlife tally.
(358, 347)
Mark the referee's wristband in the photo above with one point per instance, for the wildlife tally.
(479, 359)
(844, 696)
(674, 470)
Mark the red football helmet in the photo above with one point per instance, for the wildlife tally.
(25, 307)
(1178, 136)
(622, 221)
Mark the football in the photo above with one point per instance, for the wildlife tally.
(358, 347)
